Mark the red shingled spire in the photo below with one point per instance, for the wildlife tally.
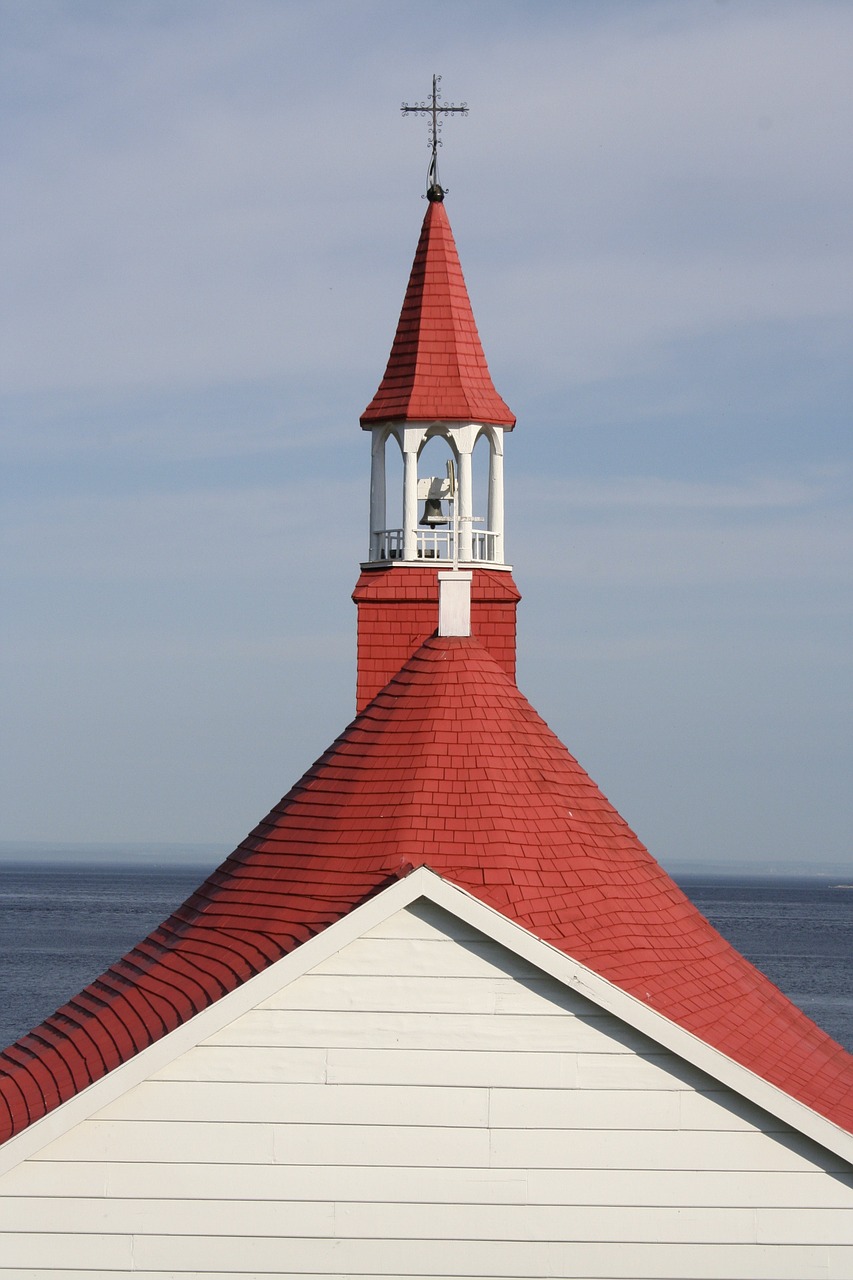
(437, 369)
(448, 767)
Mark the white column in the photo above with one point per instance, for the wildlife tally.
(496, 499)
(466, 502)
(377, 493)
(410, 503)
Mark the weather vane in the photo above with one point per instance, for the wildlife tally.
(435, 109)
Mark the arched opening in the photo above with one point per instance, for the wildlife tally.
(393, 482)
(386, 499)
(435, 502)
(482, 541)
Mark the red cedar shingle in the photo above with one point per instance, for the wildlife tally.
(528, 832)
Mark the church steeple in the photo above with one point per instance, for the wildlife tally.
(437, 385)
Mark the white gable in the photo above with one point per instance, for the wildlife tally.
(421, 1101)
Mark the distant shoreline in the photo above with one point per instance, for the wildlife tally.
(102, 853)
(204, 857)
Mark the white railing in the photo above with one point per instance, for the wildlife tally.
(390, 544)
(434, 544)
(483, 544)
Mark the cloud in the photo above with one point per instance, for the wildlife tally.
(660, 494)
(654, 531)
(257, 532)
(614, 316)
(175, 214)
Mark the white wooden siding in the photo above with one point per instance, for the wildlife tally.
(425, 1103)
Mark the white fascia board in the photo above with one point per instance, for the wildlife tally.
(425, 884)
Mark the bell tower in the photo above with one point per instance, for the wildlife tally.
(436, 386)
(438, 518)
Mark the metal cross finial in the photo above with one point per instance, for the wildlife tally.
(435, 109)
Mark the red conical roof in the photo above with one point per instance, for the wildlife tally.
(448, 767)
(437, 369)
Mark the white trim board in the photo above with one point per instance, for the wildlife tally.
(425, 884)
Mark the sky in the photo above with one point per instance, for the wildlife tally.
(209, 215)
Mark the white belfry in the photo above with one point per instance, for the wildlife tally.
(480, 533)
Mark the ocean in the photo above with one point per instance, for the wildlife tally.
(60, 926)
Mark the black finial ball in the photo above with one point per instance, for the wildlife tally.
(435, 193)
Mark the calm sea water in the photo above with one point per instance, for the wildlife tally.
(61, 927)
(798, 932)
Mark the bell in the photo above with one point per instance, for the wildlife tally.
(433, 513)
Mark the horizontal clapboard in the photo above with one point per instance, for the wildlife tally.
(615, 1069)
(499, 1108)
(364, 1144)
(411, 1184)
(442, 1221)
(500, 1259)
(367, 1029)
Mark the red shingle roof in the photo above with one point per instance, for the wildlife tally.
(448, 767)
(437, 368)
